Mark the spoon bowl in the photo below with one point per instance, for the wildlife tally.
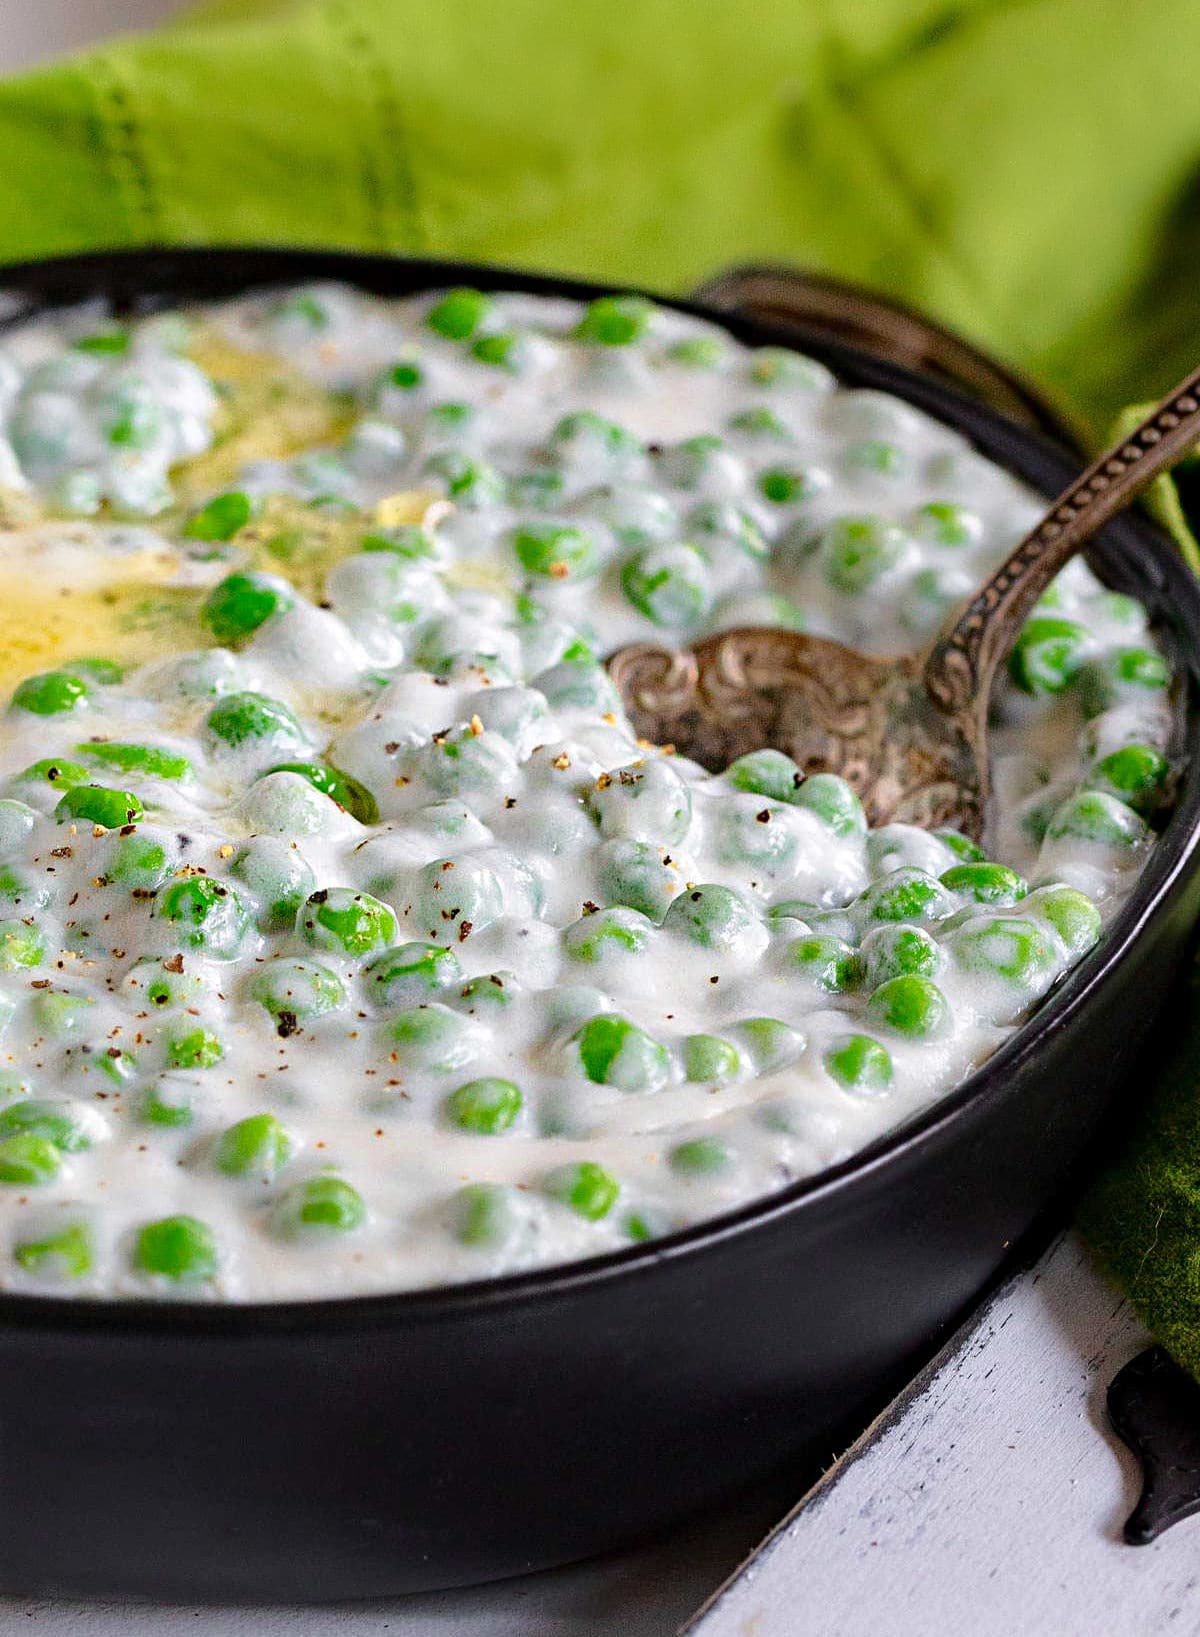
(908, 733)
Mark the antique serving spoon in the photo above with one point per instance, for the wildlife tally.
(910, 733)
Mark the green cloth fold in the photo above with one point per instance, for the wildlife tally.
(1026, 170)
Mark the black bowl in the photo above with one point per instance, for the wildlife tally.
(385, 1444)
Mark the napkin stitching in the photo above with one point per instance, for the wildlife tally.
(393, 218)
(123, 148)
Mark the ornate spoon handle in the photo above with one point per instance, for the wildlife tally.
(961, 665)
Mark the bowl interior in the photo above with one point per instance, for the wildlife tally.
(1130, 555)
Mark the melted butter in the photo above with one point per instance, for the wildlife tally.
(269, 410)
(63, 597)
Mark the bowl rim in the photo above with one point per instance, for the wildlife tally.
(166, 276)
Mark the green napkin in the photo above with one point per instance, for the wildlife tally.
(1029, 172)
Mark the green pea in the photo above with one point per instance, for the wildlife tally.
(117, 1066)
(787, 485)
(411, 973)
(577, 686)
(460, 313)
(154, 762)
(302, 310)
(485, 1214)
(456, 897)
(295, 991)
(66, 1254)
(22, 945)
(242, 602)
(720, 525)
(698, 352)
(617, 931)
(473, 484)
(1009, 947)
(638, 874)
(766, 773)
(138, 862)
(241, 719)
(589, 1189)
(713, 916)
(449, 422)
(769, 1043)
(350, 795)
(895, 846)
(877, 456)
(56, 772)
(700, 1157)
(177, 1247)
(57, 1120)
(491, 991)
(278, 876)
(58, 1013)
(503, 350)
(643, 1225)
(711, 1060)
(98, 668)
(197, 1049)
(539, 491)
(669, 584)
(943, 523)
(408, 541)
(833, 801)
(615, 1052)
(431, 1037)
(22, 891)
(1135, 774)
(615, 321)
(317, 1208)
(909, 1004)
(778, 367)
(905, 894)
(963, 848)
(858, 551)
(468, 764)
(759, 422)
(51, 693)
(257, 1147)
(985, 883)
(1123, 673)
(1047, 654)
(487, 1107)
(96, 804)
(169, 1106)
(894, 950)
(107, 343)
(208, 915)
(28, 1160)
(688, 464)
(584, 433)
(1092, 815)
(348, 922)
(221, 518)
(645, 801)
(827, 963)
(1072, 915)
(556, 550)
(859, 1063)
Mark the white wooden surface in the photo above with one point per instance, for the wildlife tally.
(992, 1505)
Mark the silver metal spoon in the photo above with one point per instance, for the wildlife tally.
(910, 733)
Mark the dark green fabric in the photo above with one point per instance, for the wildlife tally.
(1028, 170)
